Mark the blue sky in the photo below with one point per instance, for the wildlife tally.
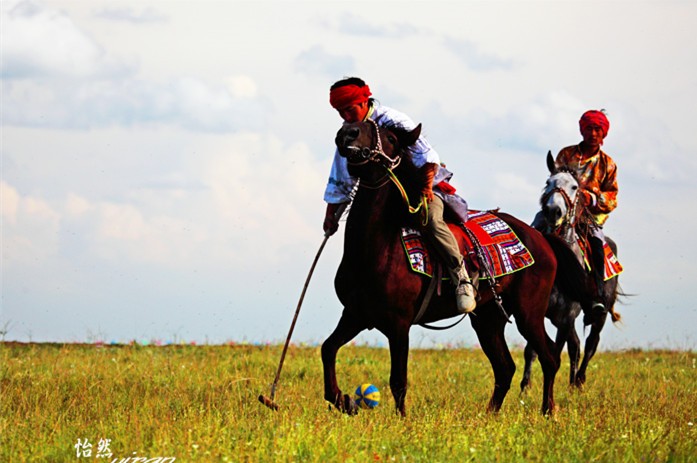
(163, 163)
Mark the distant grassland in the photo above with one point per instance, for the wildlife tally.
(199, 403)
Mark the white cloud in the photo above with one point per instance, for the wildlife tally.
(184, 102)
(261, 189)
(242, 86)
(356, 25)
(127, 233)
(76, 205)
(316, 60)
(55, 75)
(40, 42)
(476, 59)
(9, 203)
(514, 188)
(30, 228)
(245, 188)
(131, 15)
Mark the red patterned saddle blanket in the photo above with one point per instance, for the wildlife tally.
(502, 249)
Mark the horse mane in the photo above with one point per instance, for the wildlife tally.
(406, 165)
(568, 170)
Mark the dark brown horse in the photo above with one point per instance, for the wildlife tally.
(563, 215)
(378, 290)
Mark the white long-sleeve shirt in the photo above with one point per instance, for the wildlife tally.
(341, 183)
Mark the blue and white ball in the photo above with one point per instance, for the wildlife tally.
(367, 396)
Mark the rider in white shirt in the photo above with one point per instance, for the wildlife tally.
(351, 98)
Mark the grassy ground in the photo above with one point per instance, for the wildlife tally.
(200, 404)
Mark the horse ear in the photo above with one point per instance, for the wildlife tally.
(411, 137)
(550, 163)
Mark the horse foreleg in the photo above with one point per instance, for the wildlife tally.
(530, 356)
(590, 347)
(489, 325)
(348, 328)
(399, 357)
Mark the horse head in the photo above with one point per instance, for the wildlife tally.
(371, 150)
(560, 196)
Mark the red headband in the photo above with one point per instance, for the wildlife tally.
(594, 117)
(348, 95)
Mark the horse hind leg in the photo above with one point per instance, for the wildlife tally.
(566, 335)
(563, 338)
(590, 348)
(531, 326)
(530, 355)
(597, 324)
(348, 328)
(489, 325)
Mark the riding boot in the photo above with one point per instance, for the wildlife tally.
(599, 305)
(464, 290)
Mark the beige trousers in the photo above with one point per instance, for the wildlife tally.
(438, 234)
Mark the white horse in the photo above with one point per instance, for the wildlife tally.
(563, 215)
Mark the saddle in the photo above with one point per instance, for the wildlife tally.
(500, 249)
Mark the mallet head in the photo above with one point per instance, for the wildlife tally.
(268, 402)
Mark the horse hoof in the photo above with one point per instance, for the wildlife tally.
(350, 407)
(524, 385)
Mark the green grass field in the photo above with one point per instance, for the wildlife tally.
(199, 403)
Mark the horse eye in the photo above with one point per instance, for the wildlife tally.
(391, 139)
(575, 187)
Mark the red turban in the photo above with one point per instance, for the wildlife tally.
(348, 95)
(594, 117)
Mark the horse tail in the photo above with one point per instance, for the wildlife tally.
(615, 316)
(619, 296)
(571, 278)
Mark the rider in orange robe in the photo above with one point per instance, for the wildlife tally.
(597, 176)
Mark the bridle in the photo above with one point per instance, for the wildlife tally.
(361, 156)
(377, 155)
(570, 218)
